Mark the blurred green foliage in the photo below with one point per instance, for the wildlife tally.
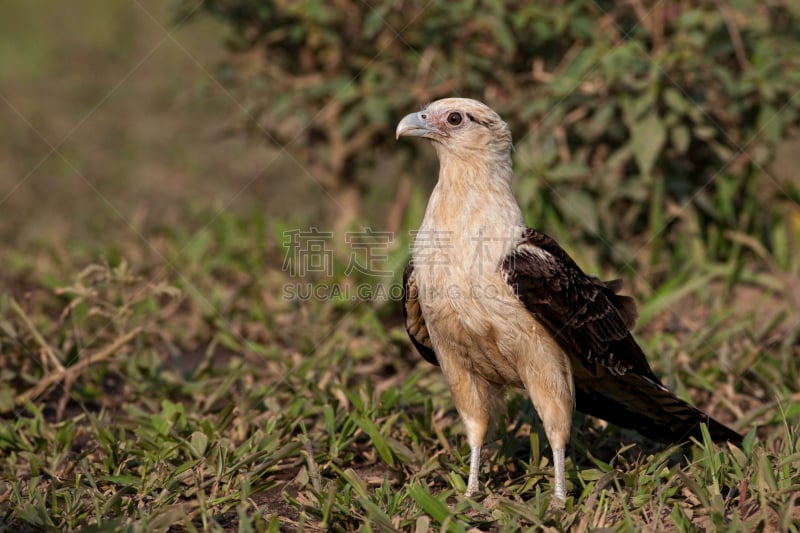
(624, 113)
(155, 375)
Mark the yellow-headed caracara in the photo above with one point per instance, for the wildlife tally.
(495, 303)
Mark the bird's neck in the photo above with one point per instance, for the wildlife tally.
(472, 216)
(474, 196)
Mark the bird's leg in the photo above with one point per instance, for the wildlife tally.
(476, 425)
(474, 467)
(553, 400)
(558, 443)
(558, 466)
(474, 399)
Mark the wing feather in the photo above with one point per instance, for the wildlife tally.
(414, 320)
(585, 314)
(591, 323)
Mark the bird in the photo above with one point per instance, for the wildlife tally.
(495, 304)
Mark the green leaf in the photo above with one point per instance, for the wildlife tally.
(675, 100)
(198, 443)
(647, 139)
(430, 504)
(161, 424)
(503, 35)
(377, 514)
(680, 137)
(382, 446)
(579, 205)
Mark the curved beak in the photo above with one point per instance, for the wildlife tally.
(413, 125)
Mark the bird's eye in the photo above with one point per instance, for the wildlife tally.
(454, 119)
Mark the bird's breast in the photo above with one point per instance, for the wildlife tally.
(470, 311)
(473, 317)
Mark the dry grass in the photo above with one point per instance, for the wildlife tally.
(153, 377)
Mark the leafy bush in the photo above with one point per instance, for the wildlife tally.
(624, 113)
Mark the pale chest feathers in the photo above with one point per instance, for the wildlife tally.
(458, 252)
(470, 231)
(471, 311)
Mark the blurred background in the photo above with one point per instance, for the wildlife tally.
(651, 132)
(157, 157)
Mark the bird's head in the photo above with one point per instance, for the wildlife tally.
(459, 126)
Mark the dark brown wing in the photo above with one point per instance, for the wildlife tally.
(412, 313)
(587, 317)
(591, 323)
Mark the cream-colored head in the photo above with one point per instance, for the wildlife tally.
(459, 126)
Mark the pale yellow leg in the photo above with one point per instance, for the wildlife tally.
(475, 400)
(553, 399)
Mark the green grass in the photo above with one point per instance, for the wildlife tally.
(193, 397)
(153, 377)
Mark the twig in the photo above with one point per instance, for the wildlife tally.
(563, 146)
(642, 14)
(399, 206)
(733, 31)
(48, 350)
(658, 17)
(73, 371)
(313, 469)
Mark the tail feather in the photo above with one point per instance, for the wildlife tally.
(636, 402)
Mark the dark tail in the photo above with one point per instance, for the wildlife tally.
(636, 402)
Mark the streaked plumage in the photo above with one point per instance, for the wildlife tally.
(503, 304)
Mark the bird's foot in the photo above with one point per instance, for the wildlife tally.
(472, 485)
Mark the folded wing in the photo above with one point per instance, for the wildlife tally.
(591, 323)
(412, 314)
